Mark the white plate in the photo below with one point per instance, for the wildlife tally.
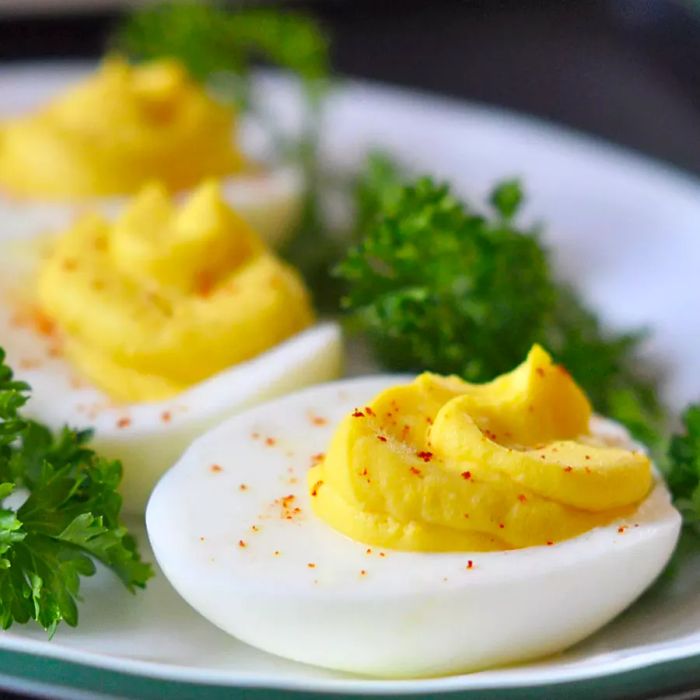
(624, 229)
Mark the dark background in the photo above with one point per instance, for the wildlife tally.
(628, 70)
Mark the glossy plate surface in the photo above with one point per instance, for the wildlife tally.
(624, 229)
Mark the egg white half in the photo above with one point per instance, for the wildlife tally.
(224, 530)
(270, 201)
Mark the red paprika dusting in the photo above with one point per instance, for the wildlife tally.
(204, 284)
(243, 487)
(501, 525)
(27, 363)
(549, 543)
(382, 554)
(216, 468)
(317, 486)
(568, 469)
(369, 411)
(415, 471)
(425, 456)
(318, 420)
(123, 422)
(166, 416)
(621, 529)
(522, 497)
(540, 371)
(368, 551)
(470, 565)
(363, 572)
(242, 544)
(466, 475)
(381, 438)
(318, 457)
(270, 441)
(36, 319)
(311, 565)
(358, 414)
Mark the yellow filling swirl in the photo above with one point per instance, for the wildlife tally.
(441, 465)
(166, 297)
(120, 128)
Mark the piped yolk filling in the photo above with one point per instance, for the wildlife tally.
(444, 465)
(165, 297)
(115, 131)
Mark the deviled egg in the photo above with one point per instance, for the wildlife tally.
(403, 528)
(155, 326)
(103, 139)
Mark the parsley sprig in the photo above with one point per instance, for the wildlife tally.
(438, 285)
(212, 41)
(682, 467)
(69, 518)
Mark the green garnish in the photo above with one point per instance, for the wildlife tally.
(212, 41)
(69, 520)
(436, 285)
(682, 467)
(377, 188)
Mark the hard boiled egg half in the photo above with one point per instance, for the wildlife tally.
(155, 327)
(234, 528)
(98, 142)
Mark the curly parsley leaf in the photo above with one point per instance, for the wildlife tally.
(377, 187)
(211, 40)
(436, 285)
(682, 467)
(68, 520)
